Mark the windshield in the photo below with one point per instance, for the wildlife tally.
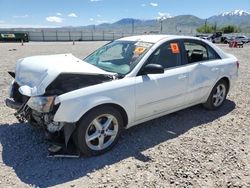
(119, 56)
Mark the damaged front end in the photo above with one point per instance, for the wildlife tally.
(39, 111)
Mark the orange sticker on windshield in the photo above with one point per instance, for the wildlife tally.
(175, 48)
(139, 50)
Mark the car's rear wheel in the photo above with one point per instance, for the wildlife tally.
(98, 131)
(217, 96)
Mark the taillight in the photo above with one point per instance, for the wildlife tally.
(237, 64)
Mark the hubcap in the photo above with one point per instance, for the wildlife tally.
(219, 95)
(101, 132)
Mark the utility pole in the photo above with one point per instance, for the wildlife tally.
(133, 26)
(215, 27)
(205, 27)
(161, 20)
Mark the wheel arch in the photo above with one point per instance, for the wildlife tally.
(114, 105)
(226, 79)
(208, 104)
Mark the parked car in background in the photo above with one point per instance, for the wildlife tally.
(124, 83)
(242, 39)
(229, 39)
(204, 36)
(217, 37)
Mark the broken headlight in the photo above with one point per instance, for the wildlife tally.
(41, 104)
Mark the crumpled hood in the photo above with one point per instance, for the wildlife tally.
(37, 72)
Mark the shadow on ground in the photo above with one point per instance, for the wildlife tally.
(25, 150)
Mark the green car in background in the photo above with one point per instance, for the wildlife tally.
(13, 37)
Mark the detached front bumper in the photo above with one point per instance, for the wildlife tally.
(22, 110)
(39, 112)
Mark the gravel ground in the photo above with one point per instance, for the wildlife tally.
(190, 148)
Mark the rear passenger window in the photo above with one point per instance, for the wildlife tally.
(212, 55)
(168, 55)
(197, 52)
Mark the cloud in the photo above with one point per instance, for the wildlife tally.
(95, 0)
(58, 14)
(21, 16)
(98, 15)
(91, 19)
(163, 16)
(72, 15)
(143, 5)
(103, 21)
(54, 19)
(154, 4)
(2, 21)
(3, 25)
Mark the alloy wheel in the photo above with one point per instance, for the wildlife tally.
(219, 95)
(101, 132)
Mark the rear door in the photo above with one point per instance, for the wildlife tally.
(203, 64)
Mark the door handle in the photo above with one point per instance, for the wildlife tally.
(214, 69)
(181, 77)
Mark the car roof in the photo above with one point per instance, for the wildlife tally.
(154, 38)
(157, 38)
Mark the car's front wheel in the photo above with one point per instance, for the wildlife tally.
(98, 131)
(217, 95)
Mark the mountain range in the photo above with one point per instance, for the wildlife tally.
(239, 18)
(182, 23)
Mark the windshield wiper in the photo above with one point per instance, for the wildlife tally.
(119, 76)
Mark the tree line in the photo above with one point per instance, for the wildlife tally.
(208, 28)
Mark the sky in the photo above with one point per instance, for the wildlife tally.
(57, 13)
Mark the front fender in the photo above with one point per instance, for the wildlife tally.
(71, 111)
(75, 104)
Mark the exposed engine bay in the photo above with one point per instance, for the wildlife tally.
(40, 110)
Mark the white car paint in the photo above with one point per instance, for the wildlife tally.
(161, 92)
(142, 97)
(35, 73)
(120, 92)
(197, 80)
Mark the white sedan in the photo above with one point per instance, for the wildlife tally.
(126, 82)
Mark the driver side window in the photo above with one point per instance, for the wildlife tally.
(167, 55)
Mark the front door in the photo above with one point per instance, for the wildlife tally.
(157, 93)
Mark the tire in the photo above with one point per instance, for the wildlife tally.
(98, 130)
(217, 97)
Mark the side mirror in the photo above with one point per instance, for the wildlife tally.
(153, 69)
